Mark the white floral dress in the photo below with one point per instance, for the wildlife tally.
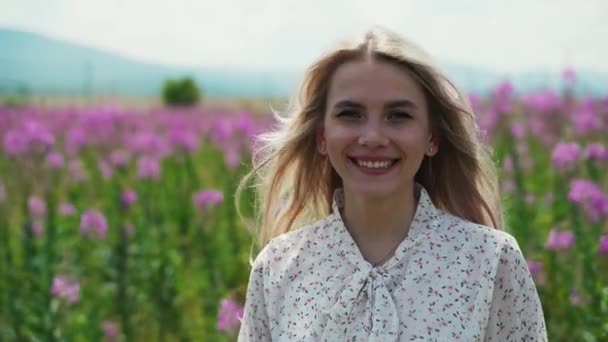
(449, 280)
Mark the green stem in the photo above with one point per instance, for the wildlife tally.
(584, 251)
(50, 253)
(122, 268)
(11, 298)
(122, 272)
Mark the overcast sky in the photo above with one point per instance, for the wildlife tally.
(507, 35)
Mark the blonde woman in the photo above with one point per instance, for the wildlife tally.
(380, 214)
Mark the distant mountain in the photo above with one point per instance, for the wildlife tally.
(50, 66)
(44, 65)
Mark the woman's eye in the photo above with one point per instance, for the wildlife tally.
(348, 114)
(398, 116)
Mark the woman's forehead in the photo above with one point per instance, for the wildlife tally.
(367, 82)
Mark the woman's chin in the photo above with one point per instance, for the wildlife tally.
(373, 190)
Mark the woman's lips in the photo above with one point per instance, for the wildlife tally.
(375, 165)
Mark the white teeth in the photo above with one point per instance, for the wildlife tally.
(374, 164)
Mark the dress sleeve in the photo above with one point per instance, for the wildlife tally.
(516, 313)
(254, 325)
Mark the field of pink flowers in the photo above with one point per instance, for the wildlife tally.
(119, 224)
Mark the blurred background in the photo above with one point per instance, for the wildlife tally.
(127, 124)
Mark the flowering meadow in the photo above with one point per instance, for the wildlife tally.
(553, 155)
(119, 224)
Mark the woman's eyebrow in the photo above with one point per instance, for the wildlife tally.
(401, 103)
(348, 104)
(390, 104)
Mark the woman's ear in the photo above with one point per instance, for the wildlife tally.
(321, 145)
(432, 147)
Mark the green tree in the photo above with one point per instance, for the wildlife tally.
(181, 92)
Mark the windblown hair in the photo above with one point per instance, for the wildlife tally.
(296, 183)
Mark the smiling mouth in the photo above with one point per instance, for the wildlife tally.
(374, 164)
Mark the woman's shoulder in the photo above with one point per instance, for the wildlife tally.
(478, 246)
(309, 234)
(474, 234)
(300, 242)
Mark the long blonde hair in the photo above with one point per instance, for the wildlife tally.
(296, 183)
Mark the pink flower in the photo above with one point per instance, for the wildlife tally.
(244, 123)
(93, 224)
(518, 130)
(589, 195)
(586, 121)
(597, 152)
(36, 206)
(223, 130)
(542, 129)
(232, 156)
(105, 169)
(501, 97)
(148, 167)
(229, 316)
(488, 121)
(75, 139)
(184, 139)
(54, 160)
(503, 90)
(37, 228)
(566, 155)
(582, 190)
(559, 240)
(110, 331)
(119, 158)
(203, 200)
(128, 197)
(15, 143)
(32, 136)
(543, 101)
(149, 143)
(67, 209)
(77, 171)
(603, 245)
(65, 290)
(535, 267)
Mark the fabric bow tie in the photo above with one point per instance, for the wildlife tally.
(365, 293)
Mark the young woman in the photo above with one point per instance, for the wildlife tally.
(380, 214)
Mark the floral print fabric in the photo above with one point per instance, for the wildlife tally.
(449, 280)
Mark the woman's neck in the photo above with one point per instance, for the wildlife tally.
(378, 223)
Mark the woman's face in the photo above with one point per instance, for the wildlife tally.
(376, 128)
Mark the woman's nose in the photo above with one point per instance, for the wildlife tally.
(372, 136)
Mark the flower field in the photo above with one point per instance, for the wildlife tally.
(120, 224)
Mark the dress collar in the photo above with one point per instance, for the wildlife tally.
(425, 219)
(367, 285)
